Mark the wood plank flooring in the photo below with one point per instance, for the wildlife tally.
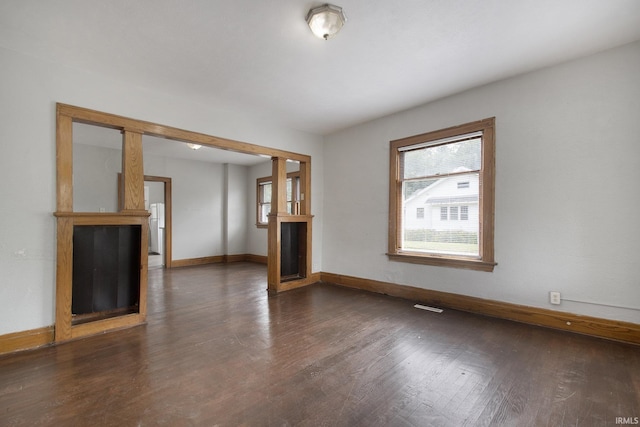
(217, 351)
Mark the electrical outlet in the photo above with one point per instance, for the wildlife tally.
(554, 297)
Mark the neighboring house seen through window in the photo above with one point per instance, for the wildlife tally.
(447, 177)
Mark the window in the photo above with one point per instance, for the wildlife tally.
(293, 193)
(264, 197)
(464, 213)
(264, 200)
(451, 172)
(453, 213)
(444, 213)
(420, 213)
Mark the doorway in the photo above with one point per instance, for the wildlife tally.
(157, 200)
(154, 203)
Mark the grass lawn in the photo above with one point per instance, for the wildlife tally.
(458, 248)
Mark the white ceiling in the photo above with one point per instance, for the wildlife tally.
(259, 57)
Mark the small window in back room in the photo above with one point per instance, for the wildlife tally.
(264, 187)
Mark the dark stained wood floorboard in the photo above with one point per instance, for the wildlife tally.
(218, 351)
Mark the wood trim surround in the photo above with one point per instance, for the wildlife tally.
(112, 324)
(305, 188)
(294, 188)
(131, 202)
(486, 261)
(593, 326)
(259, 259)
(294, 284)
(168, 217)
(92, 117)
(275, 282)
(189, 262)
(32, 339)
(64, 328)
(465, 263)
(219, 259)
(132, 171)
(259, 201)
(64, 163)
(26, 340)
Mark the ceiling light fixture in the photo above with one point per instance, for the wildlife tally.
(193, 146)
(325, 21)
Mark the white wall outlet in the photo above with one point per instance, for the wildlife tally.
(554, 297)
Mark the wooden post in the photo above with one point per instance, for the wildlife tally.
(64, 163)
(305, 188)
(278, 208)
(132, 171)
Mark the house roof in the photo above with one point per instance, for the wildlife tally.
(449, 200)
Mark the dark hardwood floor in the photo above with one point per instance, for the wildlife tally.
(218, 351)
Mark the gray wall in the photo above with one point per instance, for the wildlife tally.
(31, 87)
(567, 200)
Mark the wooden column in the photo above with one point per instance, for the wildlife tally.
(305, 210)
(131, 214)
(133, 200)
(64, 163)
(132, 171)
(279, 186)
(279, 280)
(64, 278)
(305, 188)
(278, 208)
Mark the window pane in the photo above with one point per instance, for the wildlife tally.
(289, 189)
(453, 213)
(443, 159)
(266, 192)
(443, 213)
(264, 212)
(441, 230)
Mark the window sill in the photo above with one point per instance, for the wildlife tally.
(453, 262)
(262, 225)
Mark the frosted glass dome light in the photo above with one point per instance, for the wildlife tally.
(325, 21)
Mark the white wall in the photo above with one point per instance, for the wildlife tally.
(257, 243)
(567, 198)
(256, 237)
(29, 89)
(198, 194)
(209, 199)
(95, 178)
(237, 210)
(156, 191)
